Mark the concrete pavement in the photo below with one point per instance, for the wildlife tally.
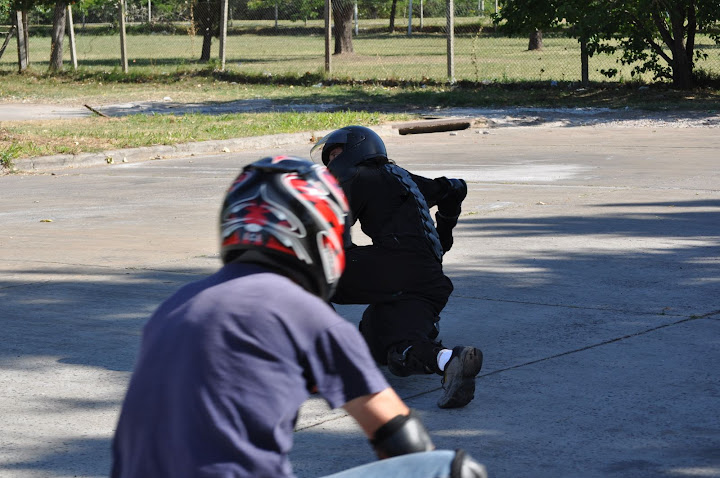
(585, 265)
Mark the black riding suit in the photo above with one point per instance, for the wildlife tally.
(400, 275)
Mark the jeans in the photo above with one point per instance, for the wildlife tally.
(430, 464)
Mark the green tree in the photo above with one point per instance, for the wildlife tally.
(10, 9)
(293, 10)
(206, 21)
(659, 36)
(342, 11)
(656, 36)
(5, 9)
(393, 12)
(305, 9)
(58, 34)
(59, 8)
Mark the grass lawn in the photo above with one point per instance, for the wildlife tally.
(39, 138)
(480, 57)
(289, 70)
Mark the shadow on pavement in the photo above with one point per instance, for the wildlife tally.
(85, 316)
(93, 317)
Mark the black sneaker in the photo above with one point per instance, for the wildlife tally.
(459, 378)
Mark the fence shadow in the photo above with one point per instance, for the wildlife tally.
(83, 316)
(55, 317)
(645, 261)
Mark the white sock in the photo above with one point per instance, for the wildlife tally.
(443, 357)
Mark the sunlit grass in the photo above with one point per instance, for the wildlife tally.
(40, 138)
(482, 57)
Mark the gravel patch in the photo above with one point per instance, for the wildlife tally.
(596, 117)
(500, 117)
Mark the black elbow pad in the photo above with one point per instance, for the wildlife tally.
(402, 435)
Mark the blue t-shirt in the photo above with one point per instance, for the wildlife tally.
(224, 366)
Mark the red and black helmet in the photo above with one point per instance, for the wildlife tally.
(291, 209)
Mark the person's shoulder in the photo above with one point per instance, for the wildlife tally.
(297, 307)
(370, 170)
(282, 289)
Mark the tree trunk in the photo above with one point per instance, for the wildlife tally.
(681, 68)
(343, 19)
(682, 52)
(393, 11)
(536, 42)
(58, 34)
(206, 46)
(205, 18)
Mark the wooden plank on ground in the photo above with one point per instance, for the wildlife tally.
(437, 125)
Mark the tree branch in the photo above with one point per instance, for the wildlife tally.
(659, 20)
(647, 34)
(660, 23)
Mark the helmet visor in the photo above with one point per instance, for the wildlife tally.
(339, 137)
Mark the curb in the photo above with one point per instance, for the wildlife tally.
(150, 153)
(160, 152)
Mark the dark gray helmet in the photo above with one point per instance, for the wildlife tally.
(359, 144)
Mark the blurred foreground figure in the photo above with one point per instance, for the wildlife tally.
(400, 276)
(227, 361)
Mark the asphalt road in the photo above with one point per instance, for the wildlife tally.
(586, 266)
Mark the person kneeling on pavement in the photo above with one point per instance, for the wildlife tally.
(400, 276)
(226, 362)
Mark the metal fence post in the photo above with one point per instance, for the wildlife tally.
(451, 40)
(410, 17)
(123, 39)
(26, 35)
(21, 42)
(328, 34)
(223, 33)
(355, 17)
(71, 37)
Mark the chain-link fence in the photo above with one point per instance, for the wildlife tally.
(387, 40)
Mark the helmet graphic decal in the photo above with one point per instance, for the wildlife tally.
(323, 198)
(259, 221)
